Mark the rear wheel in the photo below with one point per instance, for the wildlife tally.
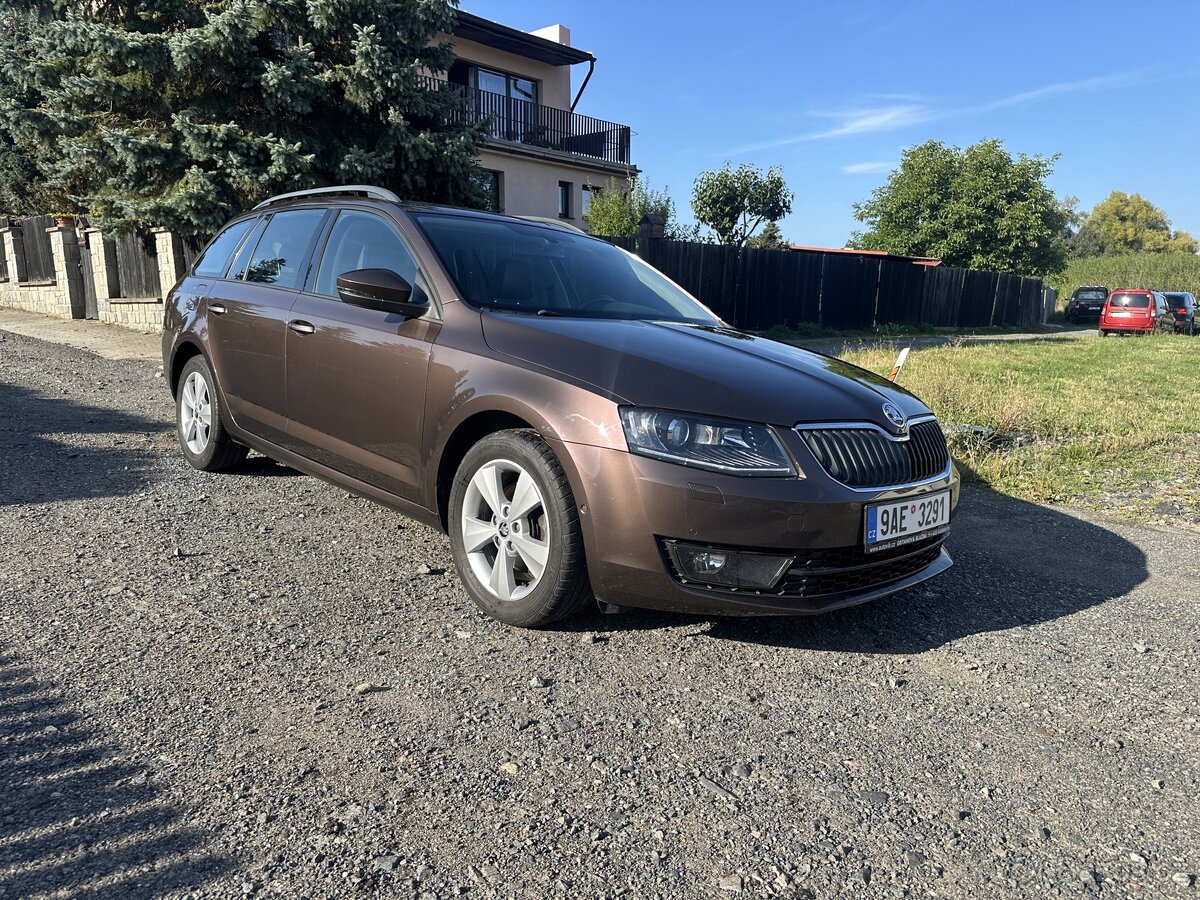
(205, 443)
(514, 531)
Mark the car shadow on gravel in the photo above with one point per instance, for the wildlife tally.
(77, 818)
(52, 449)
(1017, 564)
(265, 467)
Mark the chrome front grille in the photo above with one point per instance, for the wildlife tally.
(866, 457)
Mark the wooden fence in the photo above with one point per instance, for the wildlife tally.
(192, 245)
(137, 266)
(755, 289)
(39, 258)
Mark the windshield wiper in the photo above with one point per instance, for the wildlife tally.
(549, 312)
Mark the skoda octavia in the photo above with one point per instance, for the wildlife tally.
(579, 425)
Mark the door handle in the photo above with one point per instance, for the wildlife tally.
(301, 327)
(217, 308)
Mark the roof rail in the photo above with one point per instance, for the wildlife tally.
(557, 223)
(374, 193)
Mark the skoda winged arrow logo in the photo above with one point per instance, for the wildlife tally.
(893, 414)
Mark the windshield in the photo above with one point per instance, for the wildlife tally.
(545, 270)
(1131, 301)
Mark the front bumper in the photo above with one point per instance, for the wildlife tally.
(630, 504)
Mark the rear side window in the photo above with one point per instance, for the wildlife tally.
(1130, 301)
(215, 259)
(280, 251)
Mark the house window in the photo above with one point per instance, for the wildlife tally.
(491, 184)
(589, 192)
(512, 86)
(508, 102)
(564, 199)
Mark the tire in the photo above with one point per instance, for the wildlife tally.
(205, 443)
(497, 551)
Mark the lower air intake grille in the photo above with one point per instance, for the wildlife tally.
(865, 457)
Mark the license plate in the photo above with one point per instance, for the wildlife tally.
(1121, 315)
(906, 521)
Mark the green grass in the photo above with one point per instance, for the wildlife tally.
(1108, 423)
(805, 332)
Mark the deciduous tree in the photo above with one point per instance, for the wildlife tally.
(977, 208)
(1129, 223)
(735, 202)
(616, 210)
(770, 238)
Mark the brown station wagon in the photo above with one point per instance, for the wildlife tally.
(579, 425)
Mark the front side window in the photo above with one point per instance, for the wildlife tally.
(360, 240)
(215, 259)
(546, 270)
(279, 253)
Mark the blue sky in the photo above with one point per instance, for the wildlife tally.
(834, 91)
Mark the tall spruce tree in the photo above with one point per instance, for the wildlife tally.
(22, 190)
(181, 112)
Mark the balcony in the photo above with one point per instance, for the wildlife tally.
(535, 125)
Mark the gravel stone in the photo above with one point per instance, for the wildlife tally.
(731, 883)
(144, 733)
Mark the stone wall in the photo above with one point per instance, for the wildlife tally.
(50, 298)
(66, 297)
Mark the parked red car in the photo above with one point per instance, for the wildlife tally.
(1138, 311)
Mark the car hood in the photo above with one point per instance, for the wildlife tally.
(699, 368)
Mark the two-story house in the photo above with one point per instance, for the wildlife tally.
(541, 158)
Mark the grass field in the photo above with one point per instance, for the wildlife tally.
(1108, 423)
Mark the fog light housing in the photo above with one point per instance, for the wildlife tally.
(738, 569)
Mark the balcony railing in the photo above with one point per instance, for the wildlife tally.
(535, 125)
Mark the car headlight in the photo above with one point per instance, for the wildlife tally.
(719, 445)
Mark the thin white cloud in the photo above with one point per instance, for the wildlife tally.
(877, 118)
(863, 120)
(1083, 85)
(868, 168)
(909, 110)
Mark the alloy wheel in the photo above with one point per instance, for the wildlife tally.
(195, 413)
(505, 531)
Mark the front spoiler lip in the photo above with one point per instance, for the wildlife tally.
(692, 600)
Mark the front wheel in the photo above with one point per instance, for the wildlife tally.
(514, 531)
(202, 436)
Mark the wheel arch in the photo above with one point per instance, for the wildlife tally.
(466, 435)
(185, 351)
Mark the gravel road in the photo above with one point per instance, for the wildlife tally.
(253, 684)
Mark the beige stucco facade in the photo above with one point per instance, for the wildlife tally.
(531, 176)
(554, 81)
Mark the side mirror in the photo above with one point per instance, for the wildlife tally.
(381, 289)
